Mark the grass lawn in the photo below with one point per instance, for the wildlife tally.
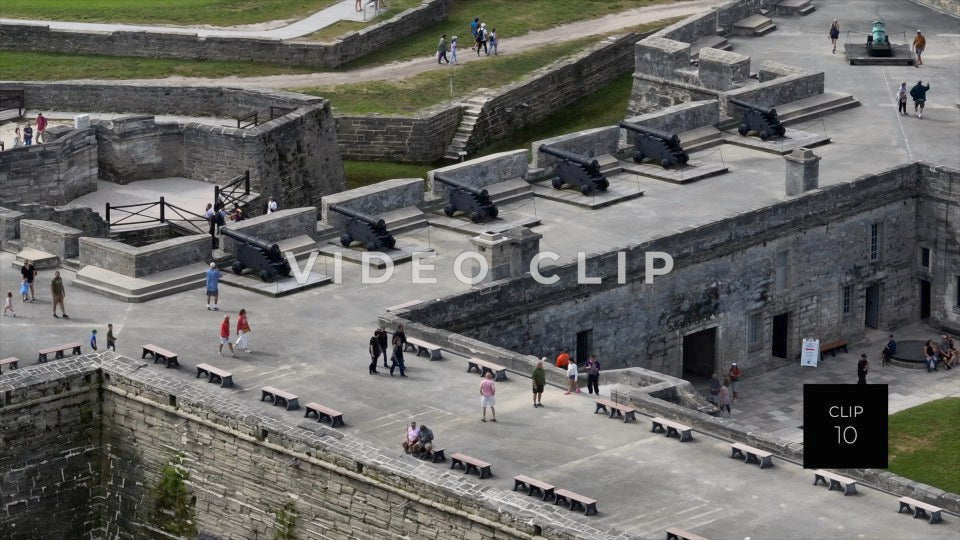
(364, 173)
(179, 12)
(433, 87)
(925, 443)
(38, 66)
(337, 29)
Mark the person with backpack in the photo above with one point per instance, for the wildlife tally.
(442, 49)
(482, 39)
(474, 27)
(919, 95)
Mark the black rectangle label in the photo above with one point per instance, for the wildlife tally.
(845, 426)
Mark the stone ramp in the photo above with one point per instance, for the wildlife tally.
(41, 259)
(754, 25)
(142, 289)
(809, 108)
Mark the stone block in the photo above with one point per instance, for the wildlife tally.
(588, 143)
(661, 57)
(723, 70)
(60, 240)
(483, 171)
(378, 198)
(275, 227)
(677, 118)
(145, 260)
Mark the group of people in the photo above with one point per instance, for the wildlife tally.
(243, 333)
(945, 353)
(418, 441)
(724, 392)
(28, 135)
(380, 344)
(28, 274)
(919, 42)
(484, 39)
(217, 215)
(592, 368)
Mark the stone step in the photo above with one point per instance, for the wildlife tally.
(40, 259)
(713, 42)
(700, 138)
(509, 191)
(812, 107)
(70, 264)
(794, 8)
(129, 289)
(754, 25)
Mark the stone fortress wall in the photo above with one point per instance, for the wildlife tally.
(295, 52)
(56, 172)
(94, 434)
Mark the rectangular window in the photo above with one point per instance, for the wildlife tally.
(780, 271)
(925, 258)
(755, 328)
(874, 241)
(845, 301)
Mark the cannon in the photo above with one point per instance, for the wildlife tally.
(583, 173)
(878, 42)
(262, 257)
(764, 121)
(474, 203)
(657, 145)
(370, 231)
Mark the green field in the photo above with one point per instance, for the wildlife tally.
(925, 443)
(364, 173)
(37, 66)
(181, 12)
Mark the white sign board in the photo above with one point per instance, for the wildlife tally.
(811, 352)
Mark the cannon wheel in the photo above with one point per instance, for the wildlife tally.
(449, 210)
(638, 157)
(557, 183)
(667, 163)
(603, 184)
(475, 217)
(493, 212)
(585, 189)
(391, 243)
(237, 267)
(781, 131)
(764, 135)
(371, 246)
(743, 129)
(684, 158)
(285, 269)
(265, 275)
(346, 240)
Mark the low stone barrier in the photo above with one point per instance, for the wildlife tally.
(483, 171)
(145, 260)
(275, 227)
(588, 143)
(375, 199)
(50, 237)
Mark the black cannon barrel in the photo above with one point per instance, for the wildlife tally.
(269, 247)
(637, 128)
(569, 156)
(454, 183)
(376, 223)
(747, 105)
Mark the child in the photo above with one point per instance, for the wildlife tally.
(8, 304)
(111, 339)
(25, 289)
(93, 339)
(454, 43)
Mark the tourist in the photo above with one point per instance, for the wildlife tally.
(111, 338)
(563, 359)
(27, 135)
(919, 44)
(954, 354)
(8, 304)
(243, 328)
(442, 49)
(946, 353)
(213, 287)
(272, 205)
(474, 28)
(384, 338)
(58, 293)
(889, 350)
(572, 376)
(225, 336)
(374, 350)
(25, 290)
(725, 397)
(919, 95)
(413, 435)
(454, 43)
(488, 390)
(211, 216)
(400, 333)
(834, 34)
(714, 387)
(901, 99)
(17, 140)
(424, 442)
(593, 375)
(735, 374)
(930, 355)
(221, 219)
(482, 39)
(29, 272)
(357, 5)
(93, 339)
(493, 41)
(237, 215)
(539, 382)
(862, 366)
(396, 360)
(41, 128)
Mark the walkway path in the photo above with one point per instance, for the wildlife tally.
(321, 19)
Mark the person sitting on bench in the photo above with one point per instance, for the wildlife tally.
(946, 352)
(424, 443)
(413, 436)
(888, 351)
(930, 355)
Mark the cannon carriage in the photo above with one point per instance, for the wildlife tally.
(262, 257)
(657, 145)
(370, 231)
(474, 203)
(764, 122)
(575, 170)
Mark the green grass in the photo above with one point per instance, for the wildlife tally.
(37, 66)
(364, 173)
(339, 28)
(182, 12)
(432, 87)
(510, 18)
(925, 443)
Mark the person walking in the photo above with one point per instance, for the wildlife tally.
(225, 336)
(111, 338)
(374, 350)
(17, 139)
(889, 350)
(29, 272)
(482, 39)
(593, 375)
(901, 99)
(8, 304)
(488, 391)
(834, 34)
(714, 387)
(396, 360)
(919, 44)
(862, 366)
(272, 205)
(27, 135)
(919, 95)
(402, 335)
(572, 376)
(474, 28)
(442, 49)
(725, 397)
(42, 128)
(384, 339)
(735, 374)
(213, 287)
(492, 39)
(58, 293)
(454, 43)
(25, 290)
(539, 377)
(93, 339)
(243, 329)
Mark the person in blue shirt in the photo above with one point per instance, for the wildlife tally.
(213, 287)
(93, 340)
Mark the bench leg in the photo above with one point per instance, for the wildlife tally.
(686, 436)
(336, 422)
(455, 463)
(736, 453)
(935, 517)
(469, 467)
(485, 473)
(517, 484)
(849, 489)
(547, 494)
(471, 367)
(656, 427)
(439, 457)
(41, 358)
(591, 509)
(630, 417)
(751, 458)
(919, 513)
(833, 484)
(671, 536)
(766, 462)
(671, 431)
(818, 478)
(600, 407)
(59, 354)
(76, 350)
(534, 489)
(903, 506)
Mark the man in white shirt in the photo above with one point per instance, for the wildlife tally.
(272, 206)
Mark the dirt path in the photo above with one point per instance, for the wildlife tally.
(410, 68)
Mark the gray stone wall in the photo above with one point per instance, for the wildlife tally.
(938, 229)
(375, 199)
(350, 46)
(722, 70)
(651, 94)
(9, 228)
(774, 92)
(280, 225)
(50, 237)
(677, 118)
(771, 69)
(951, 7)
(79, 217)
(706, 24)
(418, 139)
(587, 143)
(137, 148)
(53, 173)
(145, 260)
(480, 172)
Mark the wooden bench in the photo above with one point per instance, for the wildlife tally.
(685, 433)
(833, 346)
(58, 351)
(618, 410)
(279, 397)
(160, 354)
(324, 413)
(564, 496)
(848, 485)
(751, 455)
(435, 455)
(470, 464)
(676, 533)
(13, 362)
(920, 509)
(214, 374)
(423, 348)
(532, 485)
(483, 367)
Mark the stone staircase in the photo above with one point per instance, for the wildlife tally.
(713, 42)
(509, 191)
(471, 112)
(754, 25)
(809, 108)
(129, 289)
(796, 8)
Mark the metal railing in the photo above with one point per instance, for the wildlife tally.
(171, 214)
(276, 112)
(11, 97)
(247, 121)
(233, 192)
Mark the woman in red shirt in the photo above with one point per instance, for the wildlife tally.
(243, 328)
